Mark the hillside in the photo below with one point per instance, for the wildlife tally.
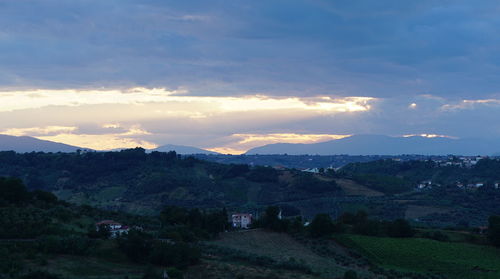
(136, 181)
(30, 144)
(385, 145)
(139, 182)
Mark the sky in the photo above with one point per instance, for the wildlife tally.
(231, 75)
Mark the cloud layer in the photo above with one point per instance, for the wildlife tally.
(229, 75)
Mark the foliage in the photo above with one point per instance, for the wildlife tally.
(136, 245)
(102, 232)
(362, 225)
(70, 245)
(180, 255)
(13, 191)
(308, 183)
(414, 171)
(436, 235)
(399, 228)
(263, 174)
(494, 230)
(272, 221)
(192, 224)
(140, 247)
(456, 260)
(39, 275)
(119, 179)
(321, 226)
(350, 274)
(384, 183)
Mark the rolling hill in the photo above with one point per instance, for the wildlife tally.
(136, 181)
(385, 145)
(28, 144)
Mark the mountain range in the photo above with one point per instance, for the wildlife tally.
(353, 145)
(25, 144)
(29, 144)
(385, 145)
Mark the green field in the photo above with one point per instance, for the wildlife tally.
(282, 247)
(455, 260)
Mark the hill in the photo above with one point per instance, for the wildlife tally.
(385, 145)
(29, 144)
(182, 149)
(136, 181)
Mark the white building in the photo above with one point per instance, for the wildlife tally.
(241, 220)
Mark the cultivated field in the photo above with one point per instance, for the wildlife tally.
(455, 260)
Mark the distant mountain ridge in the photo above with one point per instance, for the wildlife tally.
(385, 145)
(182, 149)
(25, 144)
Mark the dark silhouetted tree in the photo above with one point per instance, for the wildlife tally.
(494, 230)
(321, 226)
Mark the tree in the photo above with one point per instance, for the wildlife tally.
(44, 196)
(321, 226)
(400, 228)
(180, 255)
(494, 230)
(102, 232)
(350, 274)
(173, 215)
(136, 245)
(272, 221)
(13, 190)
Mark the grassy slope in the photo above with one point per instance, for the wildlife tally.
(457, 260)
(352, 188)
(282, 247)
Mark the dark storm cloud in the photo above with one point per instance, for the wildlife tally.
(362, 48)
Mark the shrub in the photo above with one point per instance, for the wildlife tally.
(350, 274)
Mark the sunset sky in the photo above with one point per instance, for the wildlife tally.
(231, 75)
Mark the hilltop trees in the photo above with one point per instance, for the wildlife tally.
(192, 224)
(322, 225)
(494, 230)
(12, 190)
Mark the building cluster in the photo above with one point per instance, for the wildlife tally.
(116, 229)
(428, 184)
(463, 162)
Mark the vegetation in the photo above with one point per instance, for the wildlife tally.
(44, 227)
(456, 260)
(412, 172)
(42, 236)
(139, 182)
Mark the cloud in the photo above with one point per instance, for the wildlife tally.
(100, 142)
(188, 106)
(470, 104)
(299, 48)
(240, 143)
(428, 136)
(235, 124)
(198, 73)
(38, 131)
